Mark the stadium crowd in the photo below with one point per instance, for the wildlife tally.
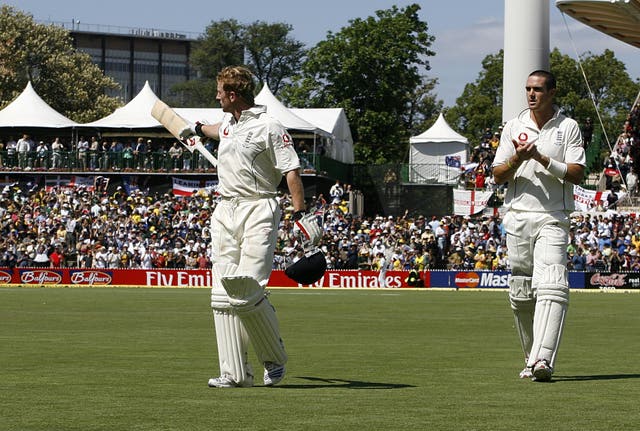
(87, 227)
(84, 228)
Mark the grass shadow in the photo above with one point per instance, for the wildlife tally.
(595, 377)
(318, 382)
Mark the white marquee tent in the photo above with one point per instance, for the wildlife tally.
(134, 115)
(433, 152)
(330, 125)
(334, 121)
(29, 110)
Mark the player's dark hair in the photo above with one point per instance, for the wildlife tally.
(550, 79)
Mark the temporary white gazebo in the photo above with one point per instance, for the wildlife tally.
(436, 154)
(134, 115)
(329, 124)
(28, 110)
(335, 122)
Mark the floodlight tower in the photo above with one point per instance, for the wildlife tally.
(526, 48)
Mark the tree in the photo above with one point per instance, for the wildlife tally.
(64, 77)
(220, 46)
(371, 69)
(613, 91)
(265, 48)
(273, 56)
(480, 105)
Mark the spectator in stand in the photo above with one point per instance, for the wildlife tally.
(175, 154)
(480, 259)
(336, 192)
(139, 154)
(10, 147)
(127, 157)
(592, 259)
(83, 153)
(56, 258)
(42, 156)
(94, 153)
(23, 148)
(587, 132)
(612, 175)
(578, 260)
(632, 183)
(612, 200)
(56, 154)
(479, 177)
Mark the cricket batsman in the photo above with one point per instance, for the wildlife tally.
(541, 157)
(255, 152)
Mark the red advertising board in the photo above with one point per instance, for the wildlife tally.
(185, 278)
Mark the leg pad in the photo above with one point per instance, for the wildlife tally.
(247, 298)
(523, 301)
(551, 309)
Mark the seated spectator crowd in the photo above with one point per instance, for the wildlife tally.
(83, 228)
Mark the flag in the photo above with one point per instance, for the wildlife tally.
(469, 202)
(78, 181)
(589, 200)
(182, 187)
(453, 161)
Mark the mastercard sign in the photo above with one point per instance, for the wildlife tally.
(467, 279)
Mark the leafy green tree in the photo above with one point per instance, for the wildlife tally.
(64, 77)
(612, 90)
(480, 105)
(372, 69)
(272, 54)
(220, 46)
(267, 49)
(424, 106)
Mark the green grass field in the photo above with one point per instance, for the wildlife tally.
(139, 359)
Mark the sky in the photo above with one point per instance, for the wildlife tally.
(466, 31)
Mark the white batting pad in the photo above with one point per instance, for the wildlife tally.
(523, 302)
(551, 309)
(247, 297)
(231, 336)
(233, 343)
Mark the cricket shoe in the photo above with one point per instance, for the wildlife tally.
(273, 373)
(542, 371)
(225, 381)
(526, 373)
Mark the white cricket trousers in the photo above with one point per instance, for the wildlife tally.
(244, 233)
(536, 240)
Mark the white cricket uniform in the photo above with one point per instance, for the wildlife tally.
(537, 225)
(534, 190)
(254, 153)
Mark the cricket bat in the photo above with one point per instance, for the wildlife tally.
(174, 124)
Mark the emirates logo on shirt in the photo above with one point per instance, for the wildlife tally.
(225, 132)
(559, 137)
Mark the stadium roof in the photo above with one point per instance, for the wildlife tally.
(617, 18)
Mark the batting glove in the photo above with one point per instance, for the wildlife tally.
(306, 227)
(191, 129)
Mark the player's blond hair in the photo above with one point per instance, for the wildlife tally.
(238, 79)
